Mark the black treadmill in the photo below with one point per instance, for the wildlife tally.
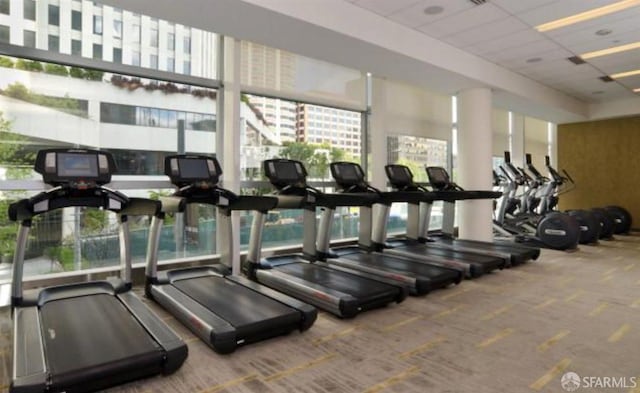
(447, 191)
(92, 335)
(225, 310)
(343, 292)
(474, 264)
(417, 274)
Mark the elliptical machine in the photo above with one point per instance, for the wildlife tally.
(546, 200)
(613, 219)
(553, 230)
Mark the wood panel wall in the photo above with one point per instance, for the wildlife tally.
(603, 157)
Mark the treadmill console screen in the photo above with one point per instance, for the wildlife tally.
(399, 175)
(285, 172)
(347, 173)
(77, 165)
(194, 169)
(438, 177)
(185, 169)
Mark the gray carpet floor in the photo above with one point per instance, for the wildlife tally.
(517, 330)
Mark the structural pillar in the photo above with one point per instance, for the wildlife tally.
(228, 143)
(517, 139)
(475, 219)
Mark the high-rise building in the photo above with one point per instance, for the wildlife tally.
(324, 125)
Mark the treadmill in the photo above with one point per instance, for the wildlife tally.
(224, 310)
(92, 335)
(449, 192)
(340, 291)
(419, 276)
(414, 242)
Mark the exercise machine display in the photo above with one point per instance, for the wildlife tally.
(92, 335)
(445, 190)
(343, 292)
(225, 310)
(417, 274)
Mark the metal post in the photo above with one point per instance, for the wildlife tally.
(18, 261)
(125, 250)
(152, 247)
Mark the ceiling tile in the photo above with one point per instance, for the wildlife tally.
(524, 52)
(465, 20)
(560, 9)
(632, 82)
(608, 41)
(624, 22)
(515, 40)
(514, 7)
(385, 7)
(414, 15)
(618, 62)
(486, 32)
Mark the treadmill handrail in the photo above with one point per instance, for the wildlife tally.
(216, 196)
(61, 197)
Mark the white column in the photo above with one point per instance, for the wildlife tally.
(553, 144)
(517, 139)
(378, 134)
(230, 136)
(474, 162)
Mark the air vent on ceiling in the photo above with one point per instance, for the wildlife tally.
(606, 79)
(576, 60)
(478, 2)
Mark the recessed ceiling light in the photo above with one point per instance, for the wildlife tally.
(603, 32)
(433, 10)
(597, 92)
(534, 60)
(625, 74)
(610, 51)
(587, 15)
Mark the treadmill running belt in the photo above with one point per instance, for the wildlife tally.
(390, 262)
(344, 282)
(92, 337)
(248, 311)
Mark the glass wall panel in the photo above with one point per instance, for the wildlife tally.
(44, 105)
(283, 73)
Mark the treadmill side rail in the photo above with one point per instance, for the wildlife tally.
(309, 313)
(213, 330)
(29, 367)
(336, 302)
(175, 349)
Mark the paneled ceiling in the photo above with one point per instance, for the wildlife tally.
(503, 32)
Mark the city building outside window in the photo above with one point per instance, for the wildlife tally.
(97, 24)
(29, 38)
(171, 41)
(135, 58)
(5, 7)
(117, 28)
(135, 33)
(117, 55)
(54, 15)
(97, 51)
(76, 47)
(153, 38)
(29, 9)
(5, 34)
(186, 67)
(45, 104)
(153, 61)
(186, 44)
(76, 20)
(171, 64)
(54, 43)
